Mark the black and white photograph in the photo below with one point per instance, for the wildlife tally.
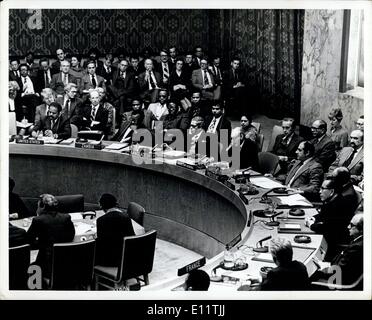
(151, 149)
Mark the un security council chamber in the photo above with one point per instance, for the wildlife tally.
(217, 150)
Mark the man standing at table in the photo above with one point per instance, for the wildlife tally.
(112, 227)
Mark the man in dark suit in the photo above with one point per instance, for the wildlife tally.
(112, 227)
(47, 228)
(71, 104)
(123, 87)
(44, 75)
(56, 66)
(55, 125)
(333, 218)
(93, 55)
(94, 116)
(14, 73)
(164, 68)
(134, 68)
(127, 128)
(234, 89)
(352, 157)
(305, 174)
(215, 69)
(286, 144)
(203, 81)
(34, 67)
(42, 110)
(149, 83)
(325, 147)
(289, 274)
(91, 80)
(62, 78)
(17, 236)
(350, 260)
(106, 70)
(189, 65)
(17, 208)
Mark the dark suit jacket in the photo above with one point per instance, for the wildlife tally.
(198, 83)
(86, 83)
(308, 179)
(355, 167)
(56, 66)
(223, 124)
(61, 127)
(112, 227)
(123, 128)
(49, 228)
(40, 80)
(13, 77)
(351, 261)
(290, 277)
(101, 117)
(249, 155)
(73, 114)
(57, 84)
(144, 85)
(20, 83)
(325, 151)
(16, 205)
(17, 236)
(229, 80)
(106, 75)
(332, 222)
(283, 149)
(160, 70)
(122, 87)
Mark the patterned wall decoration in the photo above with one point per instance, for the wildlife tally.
(268, 41)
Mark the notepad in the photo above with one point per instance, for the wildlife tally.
(67, 141)
(289, 226)
(117, 146)
(264, 182)
(264, 257)
(49, 140)
(294, 200)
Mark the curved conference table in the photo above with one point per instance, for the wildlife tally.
(184, 206)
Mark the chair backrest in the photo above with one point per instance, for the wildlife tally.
(138, 255)
(74, 131)
(136, 212)
(12, 123)
(260, 141)
(72, 265)
(19, 261)
(257, 125)
(276, 131)
(267, 162)
(70, 203)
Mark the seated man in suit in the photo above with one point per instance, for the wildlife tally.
(42, 111)
(17, 208)
(91, 80)
(149, 83)
(56, 66)
(305, 174)
(197, 280)
(234, 88)
(29, 60)
(94, 116)
(203, 81)
(350, 260)
(195, 135)
(112, 227)
(55, 125)
(17, 236)
(106, 70)
(122, 90)
(62, 78)
(333, 217)
(289, 274)
(157, 111)
(218, 122)
(47, 228)
(136, 105)
(325, 147)
(128, 127)
(164, 68)
(352, 157)
(44, 75)
(286, 144)
(14, 73)
(93, 55)
(71, 104)
(215, 68)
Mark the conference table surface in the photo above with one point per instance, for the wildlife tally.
(184, 206)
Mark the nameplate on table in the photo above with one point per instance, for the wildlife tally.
(229, 184)
(192, 266)
(243, 197)
(186, 165)
(234, 241)
(29, 141)
(216, 176)
(87, 145)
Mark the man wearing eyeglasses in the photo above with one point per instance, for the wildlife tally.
(333, 218)
(360, 123)
(164, 68)
(149, 82)
(202, 79)
(325, 147)
(350, 260)
(286, 144)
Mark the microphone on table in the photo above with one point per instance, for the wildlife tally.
(278, 190)
(259, 247)
(273, 223)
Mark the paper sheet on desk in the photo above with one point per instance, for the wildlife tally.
(116, 146)
(264, 182)
(81, 228)
(294, 200)
(76, 216)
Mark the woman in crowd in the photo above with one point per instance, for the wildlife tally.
(179, 85)
(338, 134)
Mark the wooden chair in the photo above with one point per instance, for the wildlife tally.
(136, 261)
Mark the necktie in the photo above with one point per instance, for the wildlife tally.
(348, 161)
(152, 83)
(295, 173)
(211, 126)
(24, 81)
(236, 76)
(94, 82)
(65, 80)
(165, 71)
(108, 70)
(15, 73)
(46, 78)
(206, 81)
(67, 106)
(93, 113)
(122, 74)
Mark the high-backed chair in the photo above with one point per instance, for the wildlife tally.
(137, 260)
(268, 162)
(19, 261)
(136, 212)
(74, 131)
(276, 131)
(71, 203)
(72, 265)
(12, 123)
(257, 125)
(260, 141)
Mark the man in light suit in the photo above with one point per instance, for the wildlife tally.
(91, 80)
(157, 111)
(42, 111)
(203, 80)
(352, 157)
(306, 174)
(71, 104)
(325, 147)
(59, 80)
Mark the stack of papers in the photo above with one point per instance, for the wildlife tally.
(49, 140)
(265, 183)
(67, 141)
(295, 200)
(116, 146)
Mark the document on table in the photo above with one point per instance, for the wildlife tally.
(264, 182)
(295, 200)
(67, 141)
(116, 146)
(264, 257)
(81, 228)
